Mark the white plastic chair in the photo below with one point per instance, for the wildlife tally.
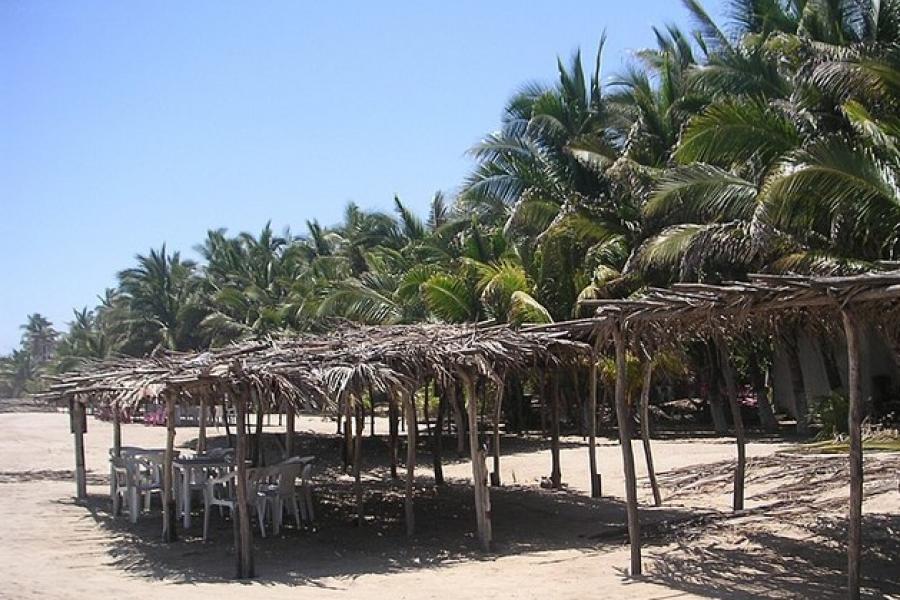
(219, 491)
(281, 492)
(129, 486)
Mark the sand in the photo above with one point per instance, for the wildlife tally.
(548, 544)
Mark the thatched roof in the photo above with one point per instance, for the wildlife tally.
(314, 370)
(697, 309)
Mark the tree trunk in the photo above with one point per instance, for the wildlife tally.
(645, 429)
(716, 406)
(854, 423)
(764, 408)
(555, 470)
(799, 387)
(731, 390)
(634, 533)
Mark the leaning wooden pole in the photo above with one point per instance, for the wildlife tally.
(634, 532)
(479, 469)
(410, 405)
(731, 390)
(495, 441)
(645, 428)
(168, 499)
(246, 569)
(854, 423)
(592, 431)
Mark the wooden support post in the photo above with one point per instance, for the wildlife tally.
(479, 469)
(634, 532)
(437, 440)
(227, 426)
(645, 427)
(258, 450)
(117, 430)
(425, 415)
(731, 390)
(555, 469)
(357, 462)
(371, 411)
(460, 423)
(854, 424)
(170, 519)
(201, 437)
(410, 405)
(393, 433)
(244, 543)
(289, 435)
(592, 431)
(495, 441)
(348, 433)
(78, 418)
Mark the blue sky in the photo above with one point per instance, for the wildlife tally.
(124, 125)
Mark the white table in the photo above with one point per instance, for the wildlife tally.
(188, 468)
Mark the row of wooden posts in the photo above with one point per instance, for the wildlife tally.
(244, 559)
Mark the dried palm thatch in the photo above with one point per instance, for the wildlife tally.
(313, 371)
(765, 302)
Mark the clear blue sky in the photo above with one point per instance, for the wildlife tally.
(124, 125)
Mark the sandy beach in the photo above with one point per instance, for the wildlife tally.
(548, 544)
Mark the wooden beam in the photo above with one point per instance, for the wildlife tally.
(78, 419)
(410, 405)
(854, 423)
(634, 532)
(592, 431)
(169, 533)
(479, 470)
(731, 390)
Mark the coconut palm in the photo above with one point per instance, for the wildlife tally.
(164, 309)
(39, 338)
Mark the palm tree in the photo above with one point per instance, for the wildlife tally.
(39, 339)
(163, 303)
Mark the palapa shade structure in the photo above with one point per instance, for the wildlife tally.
(661, 317)
(324, 372)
